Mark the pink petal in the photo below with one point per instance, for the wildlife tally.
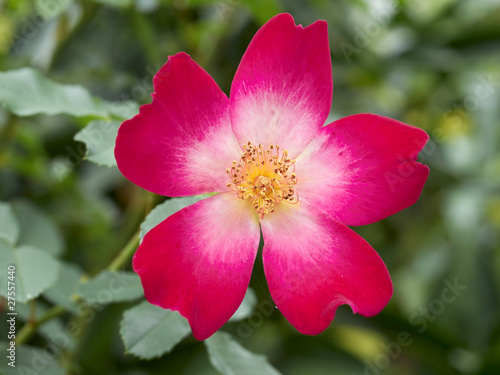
(181, 143)
(199, 261)
(282, 90)
(313, 264)
(362, 168)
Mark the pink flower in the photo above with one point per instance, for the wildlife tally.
(277, 170)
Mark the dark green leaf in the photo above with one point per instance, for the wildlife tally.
(149, 331)
(107, 287)
(123, 110)
(99, 136)
(30, 361)
(167, 208)
(64, 291)
(27, 92)
(9, 226)
(230, 358)
(35, 272)
(37, 229)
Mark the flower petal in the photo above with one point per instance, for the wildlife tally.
(362, 168)
(313, 264)
(282, 90)
(181, 143)
(199, 261)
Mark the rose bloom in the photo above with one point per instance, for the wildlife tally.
(277, 171)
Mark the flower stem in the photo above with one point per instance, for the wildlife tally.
(131, 246)
(30, 327)
(32, 317)
(125, 254)
(6, 136)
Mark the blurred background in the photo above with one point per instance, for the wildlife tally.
(434, 64)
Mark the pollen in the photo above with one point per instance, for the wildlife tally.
(264, 176)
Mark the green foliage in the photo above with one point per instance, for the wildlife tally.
(99, 136)
(246, 308)
(108, 287)
(263, 10)
(30, 242)
(54, 330)
(9, 228)
(71, 71)
(27, 92)
(64, 293)
(230, 358)
(167, 208)
(52, 9)
(149, 331)
(30, 275)
(31, 360)
(117, 3)
(36, 229)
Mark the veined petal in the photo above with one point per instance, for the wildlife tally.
(313, 264)
(282, 90)
(362, 168)
(199, 261)
(181, 143)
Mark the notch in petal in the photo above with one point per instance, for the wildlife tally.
(313, 264)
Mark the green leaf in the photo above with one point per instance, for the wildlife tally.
(37, 229)
(230, 358)
(107, 287)
(100, 136)
(35, 271)
(30, 361)
(9, 226)
(149, 331)
(167, 208)
(124, 109)
(65, 290)
(27, 92)
(246, 308)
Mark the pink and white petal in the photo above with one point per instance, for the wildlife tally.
(199, 261)
(181, 143)
(313, 264)
(362, 168)
(282, 90)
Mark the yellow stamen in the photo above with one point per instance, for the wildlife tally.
(261, 177)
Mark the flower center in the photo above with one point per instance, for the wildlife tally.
(263, 176)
